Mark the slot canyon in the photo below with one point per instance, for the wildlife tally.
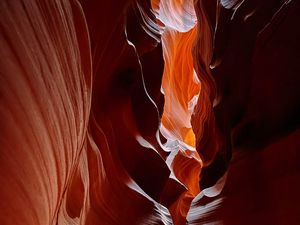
(149, 112)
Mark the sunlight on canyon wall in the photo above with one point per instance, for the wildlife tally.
(147, 112)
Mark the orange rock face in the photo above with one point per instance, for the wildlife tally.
(149, 112)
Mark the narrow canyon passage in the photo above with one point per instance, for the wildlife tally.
(149, 112)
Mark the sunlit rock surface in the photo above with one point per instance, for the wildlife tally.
(149, 112)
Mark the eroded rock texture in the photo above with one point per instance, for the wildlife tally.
(149, 112)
